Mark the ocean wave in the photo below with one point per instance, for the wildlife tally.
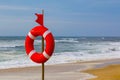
(67, 40)
(67, 50)
(11, 43)
(57, 58)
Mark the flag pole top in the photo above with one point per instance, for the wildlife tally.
(43, 11)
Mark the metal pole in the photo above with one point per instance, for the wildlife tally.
(43, 70)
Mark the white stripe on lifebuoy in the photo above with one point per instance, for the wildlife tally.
(31, 36)
(46, 33)
(31, 53)
(46, 55)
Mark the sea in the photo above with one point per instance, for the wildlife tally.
(67, 50)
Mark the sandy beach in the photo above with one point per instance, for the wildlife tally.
(52, 72)
(111, 72)
(68, 71)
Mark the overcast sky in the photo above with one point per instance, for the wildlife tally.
(62, 17)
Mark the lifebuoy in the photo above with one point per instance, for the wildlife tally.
(39, 57)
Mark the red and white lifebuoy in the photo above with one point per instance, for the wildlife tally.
(39, 57)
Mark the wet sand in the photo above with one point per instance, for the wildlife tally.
(52, 72)
(68, 71)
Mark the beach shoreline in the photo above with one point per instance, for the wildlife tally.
(67, 71)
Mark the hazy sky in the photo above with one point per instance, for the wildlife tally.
(62, 17)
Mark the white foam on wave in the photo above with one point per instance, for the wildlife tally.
(16, 62)
(68, 57)
(65, 57)
(67, 40)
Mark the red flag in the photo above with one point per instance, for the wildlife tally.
(39, 19)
